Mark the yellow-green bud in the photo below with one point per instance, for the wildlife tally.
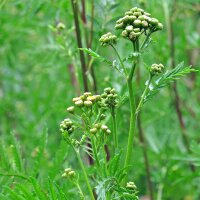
(159, 26)
(79, 103)
(76, 99)
(108, 131)
(137, 22)
(93, 130)
(154, 21)
(137, 14)
(119, 26)
(88, 103)
(87, 94)
(131, 185)
(104, 127)
(70, 109)
(129, 28)
(124, 33)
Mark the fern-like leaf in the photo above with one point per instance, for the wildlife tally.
(169, 76)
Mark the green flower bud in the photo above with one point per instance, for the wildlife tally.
(107, 39)
(145, 24)
(129, 28)
(91, 98)
(132, 18)
(93, 130)
(119, 21)
(137, 14)
(107, 90)
(118, 26)
(87, 94)
(140, 10)
(142, 17)
(159, 26)
(134, 9)
(67, 170)
(113, 91)
(147, 14)
(72, 174)
(156, 69)
(76, 99)
(125, 18)
(128, 13)
(136, 30)
(104, 128)
(88, 103)
(108, 131)
(102, 116)
(137, 22)
(79, 103)
(131, 185)
(124, 33)
(97, 97)
(154, 21)
(97, 126)
(70, 109)
(104, 95)
(60, 26)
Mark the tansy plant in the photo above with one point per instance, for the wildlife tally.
(90, 113)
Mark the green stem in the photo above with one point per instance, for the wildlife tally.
(132, 107)
(145, 41)
(114, 128)
(84, 174)
(120, 60)
(143, 95)
(80, 191)
(95, 154)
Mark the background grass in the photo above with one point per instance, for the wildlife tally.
(36, 88)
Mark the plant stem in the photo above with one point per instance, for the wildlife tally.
(84, 174)
(96, 154)
(120, 60)
(132, 107)
(143, 95)
(79, 42)
(113, 114)
(80, 191)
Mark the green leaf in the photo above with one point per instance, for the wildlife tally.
(168, 77)
(95, 55)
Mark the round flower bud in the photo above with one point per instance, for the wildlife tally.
(104, 95)
(113, 91)
(102, 116)
(145, 24)
(131, 185)
(87, 94)
(159, 26)
(118, 26)
(124, 33)
(136, 30)
(88, 103)
(67, 170)
(107, 90)
(97, 126)
(128, 13)
(147, 14)
(134, 9)
(93, 130)
(97, 97)
(108, 131)
(71, 174)
(129, 28)
(137, 14)
(104, 127)
(141, 17)
(154, 21)
(70, 109)
(119, 21)
(60, 26)
(91, 98)
(140, 10)
(79, 103)
(125, 19)
(76, 99)
(137, 22)
(132, 18)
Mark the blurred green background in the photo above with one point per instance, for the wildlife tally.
(37, 85)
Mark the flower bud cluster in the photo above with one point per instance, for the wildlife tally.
(110, 97)
(67, 126)
(101, 127)
(156, 69)
(69, 173)
(131, 185)
(108, 39)
(135, 22)
(85, 100)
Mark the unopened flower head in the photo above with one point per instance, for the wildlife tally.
(156, 69)
(131, 185)
(69, 173)
(108, 39)
(136, 22)
(66, 126)
(110, 97)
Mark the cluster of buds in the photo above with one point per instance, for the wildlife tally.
(86, 100)
(66, 126)
(110, 97)
(131, 185)
(101, 127)
(108, 39)
(135, 22)
(69, 173)
(156, 69)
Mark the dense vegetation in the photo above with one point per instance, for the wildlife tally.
(51, 54)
